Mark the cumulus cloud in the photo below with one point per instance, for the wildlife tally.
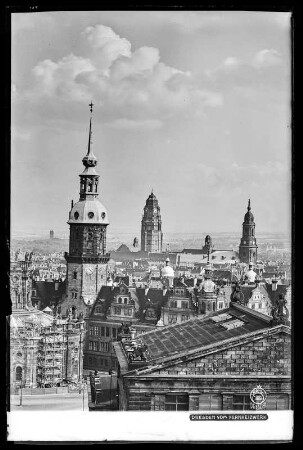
(267, 58)
(125, 84)
(265, 70)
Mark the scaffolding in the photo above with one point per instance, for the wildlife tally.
(51, 357)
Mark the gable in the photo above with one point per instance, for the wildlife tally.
(270, 355)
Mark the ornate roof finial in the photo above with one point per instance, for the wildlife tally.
(248, 207)
(91, 106)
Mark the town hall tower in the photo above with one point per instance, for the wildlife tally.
(248, 245)
(151, 226)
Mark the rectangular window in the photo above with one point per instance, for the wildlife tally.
(95, 346)
(211, 402)
(91, 331)
(277, 401)
(90, 345)
(127, 311)
(184, 317)
(114, 331)
(104, 346)
(173, 304)
(117, 310)
(184, 305)
(107, 331)
(96, 331)
(241, 402)
(102, 331)
(176, 402)
(172, 318)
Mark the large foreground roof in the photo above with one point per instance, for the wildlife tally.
(202, 331)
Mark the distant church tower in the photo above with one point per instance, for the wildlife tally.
(151, 226)
(87, 258)
(248, 245)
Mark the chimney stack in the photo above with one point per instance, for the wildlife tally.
(274, 283)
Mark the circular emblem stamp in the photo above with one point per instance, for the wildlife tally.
(258, 398)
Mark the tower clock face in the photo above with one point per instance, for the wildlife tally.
(208, 286)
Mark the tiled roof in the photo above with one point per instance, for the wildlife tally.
(222, 274)
(274, 295)
(163, 256)
(247, 290)
(46, 291)
(199, 332)
(123, 248)
(194, 251)
(154, 298)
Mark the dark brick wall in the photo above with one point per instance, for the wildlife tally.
(264, 362)
(149, 393)
(268, 356)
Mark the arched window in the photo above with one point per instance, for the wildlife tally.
(18, 373)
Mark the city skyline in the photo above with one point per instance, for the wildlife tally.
(205, 133)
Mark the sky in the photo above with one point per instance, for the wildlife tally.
(195, 105)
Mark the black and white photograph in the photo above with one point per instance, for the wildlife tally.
(150, 226)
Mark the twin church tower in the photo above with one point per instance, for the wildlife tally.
(87, 260)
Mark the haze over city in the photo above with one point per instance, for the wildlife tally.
(194, 105)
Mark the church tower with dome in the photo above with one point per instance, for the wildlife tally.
(248, 245)
(151, 226)
(87, 258)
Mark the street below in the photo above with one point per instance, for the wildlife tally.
(50, 402)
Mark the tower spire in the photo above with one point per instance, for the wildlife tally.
(89, 177)
(89, 159)
(248, 207)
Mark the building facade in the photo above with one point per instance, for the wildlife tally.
(44, 351)
(216, 364)
(151, 226)
(248, 245)
(87, 260)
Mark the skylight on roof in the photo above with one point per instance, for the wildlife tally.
(232, 324)
(221, 317)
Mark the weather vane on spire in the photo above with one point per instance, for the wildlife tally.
(91, 106)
